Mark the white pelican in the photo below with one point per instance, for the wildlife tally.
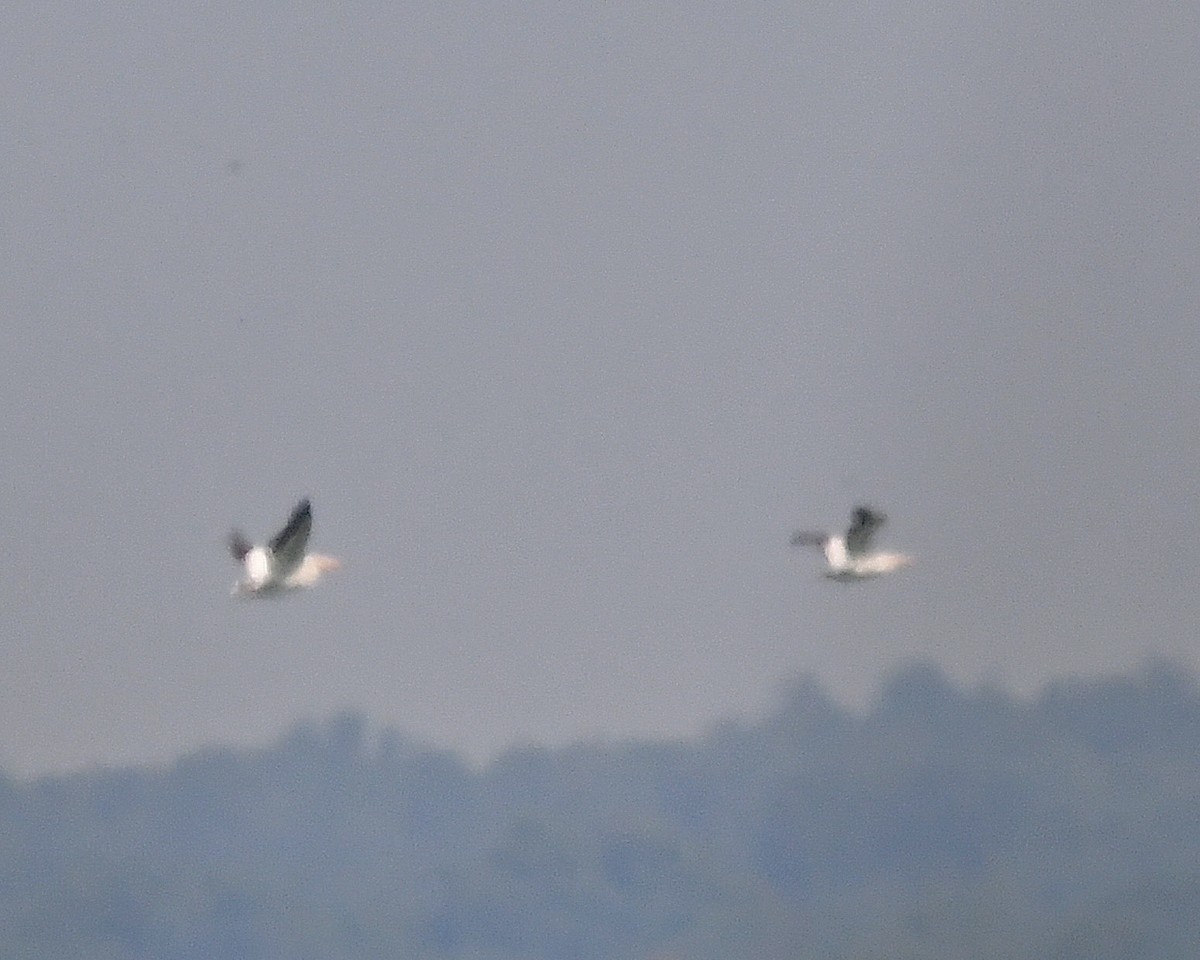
(849, 556)
(282, 564)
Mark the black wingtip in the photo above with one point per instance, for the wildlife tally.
(866, 516)
(301, 512)
(239, 546)
(301, 518)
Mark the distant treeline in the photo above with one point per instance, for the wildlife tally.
(942, 823)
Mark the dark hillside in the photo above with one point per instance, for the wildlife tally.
(942, 823)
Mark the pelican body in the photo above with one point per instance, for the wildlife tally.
(283, 564)
(849, 556)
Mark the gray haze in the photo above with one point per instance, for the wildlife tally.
(565, 316)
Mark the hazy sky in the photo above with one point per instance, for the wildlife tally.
(565, 315)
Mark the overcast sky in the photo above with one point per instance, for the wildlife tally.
(565, 315)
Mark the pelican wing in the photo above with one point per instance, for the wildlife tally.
(862, 528)
(239, 546)
(289, 544)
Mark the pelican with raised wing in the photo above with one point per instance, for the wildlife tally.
(283, 564)
(849, 556)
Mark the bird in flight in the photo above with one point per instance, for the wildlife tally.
(849, 556)
(281, 565)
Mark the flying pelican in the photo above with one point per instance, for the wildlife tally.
(849, 556)
(282, 564)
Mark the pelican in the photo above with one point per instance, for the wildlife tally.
(282, 564)
(849, 556)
